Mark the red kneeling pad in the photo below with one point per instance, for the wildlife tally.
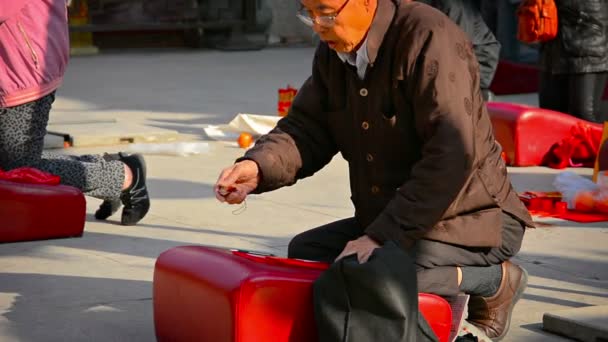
(38, 211)
(528, 134)
(208, 294)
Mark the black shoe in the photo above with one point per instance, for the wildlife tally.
(109, 207)
(135, 198)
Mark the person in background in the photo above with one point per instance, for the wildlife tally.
(34, 52)
(574, 65)
(395, 90)
(467, 14)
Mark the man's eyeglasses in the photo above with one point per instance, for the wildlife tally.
(326, 21)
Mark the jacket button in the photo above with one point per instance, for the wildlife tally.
(369, 157)
(365, 125)
(375, 190)
(363, 92)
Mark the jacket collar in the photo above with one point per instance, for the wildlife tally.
(385, 13)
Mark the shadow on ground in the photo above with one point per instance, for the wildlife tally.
(35, 311)
(162, 188)
(541, 335)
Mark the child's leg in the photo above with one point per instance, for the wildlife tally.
(22, 131)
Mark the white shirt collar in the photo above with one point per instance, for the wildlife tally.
(360, 59)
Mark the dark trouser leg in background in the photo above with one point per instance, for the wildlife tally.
(576, 94)
(601, 82)
(585, 91)
(553, 92)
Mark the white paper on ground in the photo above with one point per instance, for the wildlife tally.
(254, 124)
(182, 149)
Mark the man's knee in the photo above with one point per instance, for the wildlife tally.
(299, 247)
(442, 281)
(513, 236)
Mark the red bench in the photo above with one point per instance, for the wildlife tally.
(36, 211)
(527, 133)
(208, 294)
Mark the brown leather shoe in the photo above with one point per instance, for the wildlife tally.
(493, 314)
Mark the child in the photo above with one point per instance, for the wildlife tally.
(34, 51)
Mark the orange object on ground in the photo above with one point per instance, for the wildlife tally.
(584, 201)
(245, 140)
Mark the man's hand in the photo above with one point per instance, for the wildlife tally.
(237, 181)
(362, 247)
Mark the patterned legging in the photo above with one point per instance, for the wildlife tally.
(22, 131)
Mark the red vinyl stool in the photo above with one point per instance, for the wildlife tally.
(37, 211)
(208, 294)
(527, 133)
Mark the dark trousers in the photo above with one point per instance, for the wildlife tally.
(22, 131)
(576, 94)
(436, 261)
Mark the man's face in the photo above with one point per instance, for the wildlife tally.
(351, 24)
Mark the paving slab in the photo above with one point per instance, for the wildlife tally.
(587, 324)
(111, 133)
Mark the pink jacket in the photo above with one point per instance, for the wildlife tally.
(34, 49)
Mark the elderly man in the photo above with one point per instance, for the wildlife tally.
(395, 89)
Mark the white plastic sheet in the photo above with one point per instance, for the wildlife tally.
(254, 124)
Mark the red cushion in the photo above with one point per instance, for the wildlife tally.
(514, 78)
(36, 211)
(207, 294)
(527, 133)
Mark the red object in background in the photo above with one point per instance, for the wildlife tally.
(286, 96)
(39, 211)
(549, 204)
(561, 208)
(29, 175)
(514, 78)
(208, 294)
(579, 148)
(519, 78)
(527, 133)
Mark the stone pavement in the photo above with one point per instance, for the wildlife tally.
(98, 287)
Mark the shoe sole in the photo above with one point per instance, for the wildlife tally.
(523, 284)
(112, 211)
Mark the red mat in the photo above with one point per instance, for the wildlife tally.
(548, 204)
(574, 216)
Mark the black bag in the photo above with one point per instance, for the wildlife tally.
(374, 301)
